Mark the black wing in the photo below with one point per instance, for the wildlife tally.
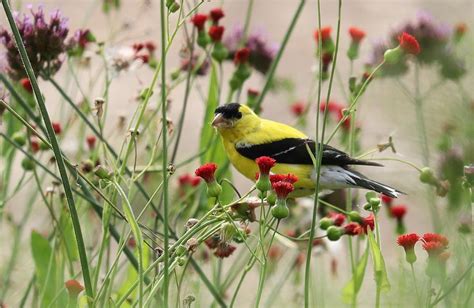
(294, 151)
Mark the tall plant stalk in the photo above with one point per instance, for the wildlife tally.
(56, 150)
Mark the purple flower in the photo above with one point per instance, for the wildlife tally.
(44, 40)
(262, 52)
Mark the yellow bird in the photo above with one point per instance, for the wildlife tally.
(246, 137)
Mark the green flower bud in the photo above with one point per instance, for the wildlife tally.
(102, 173)
(354, 216)
(213, 189)
(220, 52)
(334, 233)
(43, 146)
(27, 164)
(393, 56)
(280, 210)
(369, 195)
(325, 223)
(271, 198)
(401, 229)
(180, 250)
(367, 207)
(19, 138)
(181, 261)
(263, 183)
(427, 176)
(353, 51)
(203, 39)
(228, 231)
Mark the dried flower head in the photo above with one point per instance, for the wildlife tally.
(224, 250)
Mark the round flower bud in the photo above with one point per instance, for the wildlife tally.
(280, 210)
(27, 164)
(334, 233)
(19, 138)
(354, 216)
(180, 250)
(325, 223)
(181, 261)
(427, 176)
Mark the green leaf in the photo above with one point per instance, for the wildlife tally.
(68, 237)
(46, 268)
(380, 271)
(352, 288)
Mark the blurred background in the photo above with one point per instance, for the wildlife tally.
(384, 109)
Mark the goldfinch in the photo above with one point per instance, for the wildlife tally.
(246, 137)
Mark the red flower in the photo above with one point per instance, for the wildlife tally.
(144, 58)
(187, 179)
(198, 21)
(352, 228)
(290, 178)
(265, 163)
(368, 222)
(460, 29)
(206, 172)
(216, 32)
(91, 140)
(150, 46)
(138, 46)
(333, 107)
(298, 108)
(337, 218)
(386, 199)
(434, 249)
(195, 181)
(224, 250)
(356, 34)
(35, 146)
(274, 253)
(409, 43)
(433, 237)
(398, 211)
(213, 241)
(325, 34)
(408, 241)
(26, 84)
(282, 189)
(216, 14)
(57, 128)
(242, 56)
(346, 124)
(73, 287)
(253, 92)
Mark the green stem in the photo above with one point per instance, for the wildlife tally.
(57, 152)
(271, 71)
(415, 284)
(164, 157)
(453, 286)
(319, 150)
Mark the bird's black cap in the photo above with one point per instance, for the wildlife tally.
(229, 111)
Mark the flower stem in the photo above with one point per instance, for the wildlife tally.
(319, 148)
(271, 71)
(164, 157)
(57, 152)
(415, 283)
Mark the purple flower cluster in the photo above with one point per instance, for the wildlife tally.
(436, 44)
(44, 41)
(262, 52)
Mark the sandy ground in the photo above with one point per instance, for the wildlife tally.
(382, 110)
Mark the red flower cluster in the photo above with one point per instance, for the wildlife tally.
(337, 218)
(188, 180)
(282, 189)
(264, 164)
(368, 222)
(297, 108)
(356, 34)
(325, 34)
(25, 83)
(206, 172)
(198, 21)
(386, 199)
(216, 33)
(242, 56)
(290, 178)
(434, 237)
(224, 250)
(409, 43)
(352, 229)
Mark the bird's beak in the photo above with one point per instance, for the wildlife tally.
(218, 121)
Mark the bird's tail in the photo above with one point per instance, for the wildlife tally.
(364, 182)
